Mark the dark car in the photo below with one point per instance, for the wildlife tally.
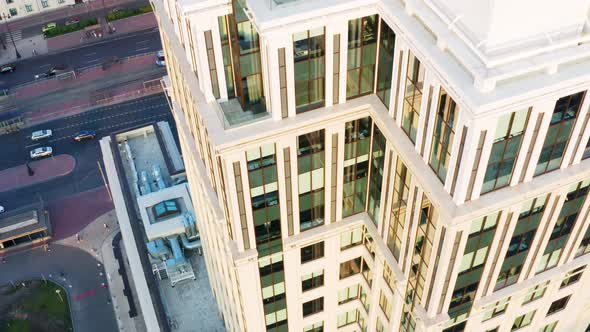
(84, 135)
(7, 68)
(59, 69)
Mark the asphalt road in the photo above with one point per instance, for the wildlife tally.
(86, 175)
(75, 270)
(131, 44)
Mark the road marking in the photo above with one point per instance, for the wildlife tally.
(95, 60)
(90, 54)
(29, 146)
(47, 65)
(143, 41)
(143, 49)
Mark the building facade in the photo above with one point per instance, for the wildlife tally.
(15, 9)
(387, 165)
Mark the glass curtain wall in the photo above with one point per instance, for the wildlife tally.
(559, 132)
(420, 259)
(401, 190)
(507, 142)
(310, 166)
(262, 178)
(246, 63)
(385, 71)
(309, 48)
(521, 240)
(357, 139)
(362, 56)
(470, 272)
(444, 133)
(563, 227)
(376, 175)
(226, 53)
(412, 97)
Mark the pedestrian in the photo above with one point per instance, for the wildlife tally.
(3, 260)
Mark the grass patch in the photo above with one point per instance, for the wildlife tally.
(118, 14)
(63, 29)
(15, 325)
(45, 300)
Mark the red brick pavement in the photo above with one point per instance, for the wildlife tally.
(71, 214)
(45, 170)
(135, 23)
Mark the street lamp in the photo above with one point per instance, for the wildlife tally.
(5, 18)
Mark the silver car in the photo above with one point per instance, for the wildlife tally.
(41, 134)
(41, 152)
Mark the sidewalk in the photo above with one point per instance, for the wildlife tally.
(45, 170)
(37, 45)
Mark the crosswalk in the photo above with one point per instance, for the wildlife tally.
(16, 35)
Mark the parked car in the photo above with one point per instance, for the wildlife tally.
(1, 209)
(84, 135)
(49, 26)
(160, 60)
(41, 134)
(73, 20)
(59, 69)
(7, 68)
(45, 151)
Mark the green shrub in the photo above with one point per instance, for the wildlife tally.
(124, 13)
(63, 29)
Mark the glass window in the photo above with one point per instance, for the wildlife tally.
(310, 166)
(29, 8)
(347, 318)
(348, 294)
(44, 3)
(385, 71)
(313, 306)
(412, 97)
(563, 227)
(312, 252)
(309, 56)
(312, 280)
(522, 321)
(572, 276)
(584, 247)
(401, 189)
(362, 55)
(496, 309)
(558, 305)
(227, 58)
(13, 11)
(245, 59)
(549, 327)
(317, 327)
(559, 132)
(507, 142)
(350, 268)
(376, 179)
(444, 133)
(385, 304)
(352, 238)
(165, 209)
(356, 165)
(535, 293)
(520, 243)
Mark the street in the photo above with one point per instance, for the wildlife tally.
(86, 175)
(131, 44)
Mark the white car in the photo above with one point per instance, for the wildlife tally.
(41, 152)
(160, 59)
(1, 209)
(41, 134)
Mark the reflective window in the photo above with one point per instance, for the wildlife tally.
(522, 321)
(559, 132)
(401, 189)
(413, 97)
(362, 55)
(309, 57)
(444, 133)
(356, 165)
(507, 142)
(385, 71)
(310, 166)
(376, 180)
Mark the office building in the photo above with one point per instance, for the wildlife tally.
(387, 165)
